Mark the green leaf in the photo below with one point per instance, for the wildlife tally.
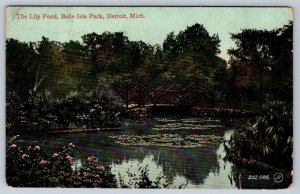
(269, 130)
(255, 125)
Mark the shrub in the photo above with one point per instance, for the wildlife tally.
(268, 138)
(32, 167)
(43, 111)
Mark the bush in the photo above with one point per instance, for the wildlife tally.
(268, 138)
(32, 167)
(43, 111)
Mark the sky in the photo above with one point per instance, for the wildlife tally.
(153, 28)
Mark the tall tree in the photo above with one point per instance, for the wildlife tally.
(91, 43)
(195, 50)
(75, 66)
(20, 64)
(282, 68)
(253, 49)
(50, 70)
(270, 55)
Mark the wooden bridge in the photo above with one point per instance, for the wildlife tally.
(165, 95)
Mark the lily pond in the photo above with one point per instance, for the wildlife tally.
(186, 151)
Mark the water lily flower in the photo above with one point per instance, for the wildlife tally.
(101, 168)
(69, 158)
(37, 148)
(55, 155)
(13, 146)
(43, 162)
(24, 156)
(85, 174)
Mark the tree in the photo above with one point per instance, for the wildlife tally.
(253, 49)
(282, 68)
(20, 66)
(109, 55)
(91, 46)
(51, 71)
(75, 67)
(265, 56)
(196, 51)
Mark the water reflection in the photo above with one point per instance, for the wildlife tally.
(220, 178)
(198, 167)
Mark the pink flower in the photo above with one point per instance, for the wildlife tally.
(43, 162)
(71, 145)
(97, 176)
(55, 155)
(85, 174)
(69, 158)
(37, 148)
(101, 168)
(13, 146)
(24, 156)
(91, 158)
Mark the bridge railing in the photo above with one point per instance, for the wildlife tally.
(139, 93)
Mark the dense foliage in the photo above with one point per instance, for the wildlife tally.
(261, 65)
(268, 138)
(111, 57)
(43, 111)
(34, 166)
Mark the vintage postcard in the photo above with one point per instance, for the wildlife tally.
(149, 97)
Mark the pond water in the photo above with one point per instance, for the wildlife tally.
(194, 167)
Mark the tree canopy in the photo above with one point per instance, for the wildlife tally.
(260, 65)
(262, 62)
